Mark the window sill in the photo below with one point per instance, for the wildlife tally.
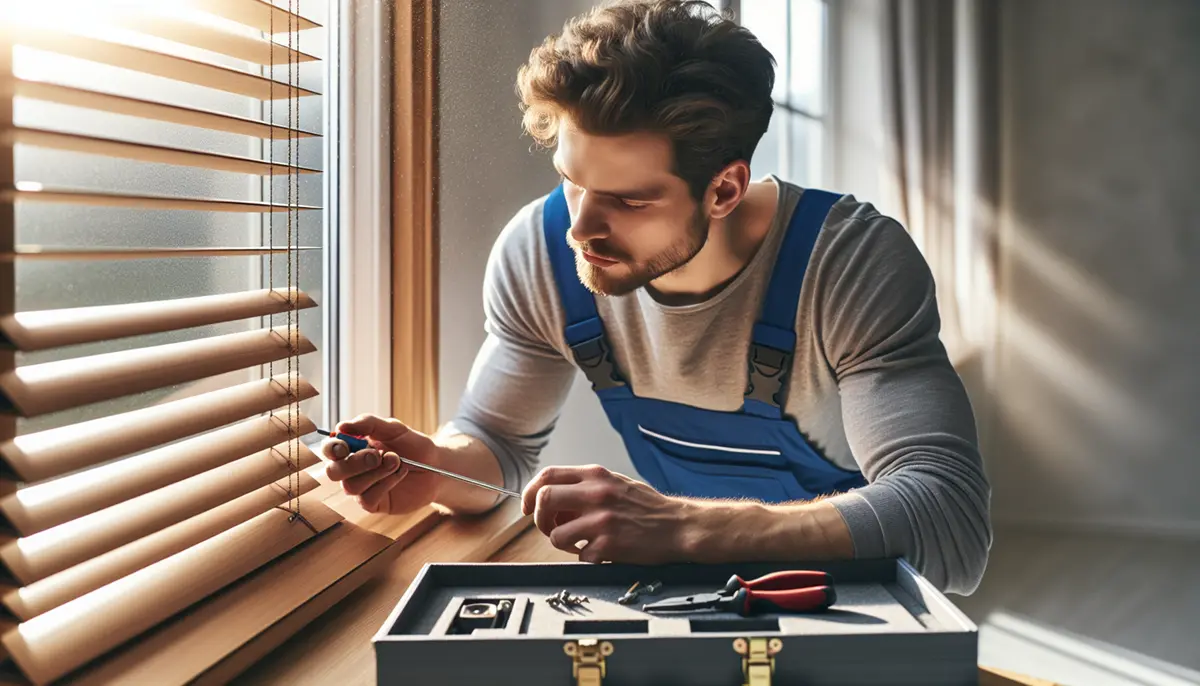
(339, 646)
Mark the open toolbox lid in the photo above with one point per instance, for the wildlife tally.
(493, 623)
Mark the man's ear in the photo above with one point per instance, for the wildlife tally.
(727, 189)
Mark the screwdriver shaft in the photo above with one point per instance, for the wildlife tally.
(460, 477)
(356, 443)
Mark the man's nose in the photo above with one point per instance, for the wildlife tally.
(588, 221)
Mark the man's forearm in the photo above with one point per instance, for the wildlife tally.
(745, 532)
(470, 457)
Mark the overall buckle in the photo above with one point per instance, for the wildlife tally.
(769, 368)
(594, 356)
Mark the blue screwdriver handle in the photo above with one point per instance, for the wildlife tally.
(355, 443)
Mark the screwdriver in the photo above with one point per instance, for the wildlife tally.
(357, 443)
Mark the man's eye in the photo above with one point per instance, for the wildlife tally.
(634, 205)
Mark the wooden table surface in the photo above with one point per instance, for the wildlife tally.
(336, 647)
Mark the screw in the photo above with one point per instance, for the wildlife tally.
(630, 595)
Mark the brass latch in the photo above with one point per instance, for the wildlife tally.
(588, 660)
(758, 659)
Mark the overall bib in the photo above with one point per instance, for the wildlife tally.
(755, 452)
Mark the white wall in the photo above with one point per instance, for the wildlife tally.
(488, 172)
(1098, 384)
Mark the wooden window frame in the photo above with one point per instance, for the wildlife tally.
(415, 329)
(233, 629)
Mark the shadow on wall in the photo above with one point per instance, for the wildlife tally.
(1091, 431)
(1097, 381)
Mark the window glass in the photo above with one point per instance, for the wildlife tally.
(795, 32)
(807, 60)
(767, 20)
(52, 284)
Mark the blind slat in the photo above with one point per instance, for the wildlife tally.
(37, 508)
(256, 14)
(44, 329)
(27, 602)
(36, 192)
(126, 520)
(149, 109)
(35, 557)
(220, 636)
(38, 389)
(56, 642)
(213, 39)
(156, 63)
(46, 454)
(145, 152)
(35, 252)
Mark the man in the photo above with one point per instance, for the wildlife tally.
(769, 354)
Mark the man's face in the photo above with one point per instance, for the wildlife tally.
(632, 220)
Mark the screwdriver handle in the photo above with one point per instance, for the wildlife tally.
(355, 443)
(748, 602)
(778, 581)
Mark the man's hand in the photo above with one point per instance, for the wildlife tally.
(621, 519)
(375, 474)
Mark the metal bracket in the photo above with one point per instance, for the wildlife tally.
(587, 656)
(758, 659)
(595, 357)
(769, 369)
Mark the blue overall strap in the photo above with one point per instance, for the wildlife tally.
(773, 340)
(584, 330)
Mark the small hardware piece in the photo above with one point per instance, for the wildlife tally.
(637, 590)
(758, 659)
(565, 599)
(587, 660)
(502, 611)
(630, 595)
(471, 616)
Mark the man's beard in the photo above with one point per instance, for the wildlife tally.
(637, 274)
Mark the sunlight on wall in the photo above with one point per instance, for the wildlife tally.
(1109, 407)
(1113, 316)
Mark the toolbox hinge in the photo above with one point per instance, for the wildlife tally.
(758, 658)
(587, 656)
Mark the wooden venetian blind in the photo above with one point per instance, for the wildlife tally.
(125, 516)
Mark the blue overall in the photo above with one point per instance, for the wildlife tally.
(756, 452)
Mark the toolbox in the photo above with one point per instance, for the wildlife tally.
(554, 624)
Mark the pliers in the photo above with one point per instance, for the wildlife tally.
(789, 591)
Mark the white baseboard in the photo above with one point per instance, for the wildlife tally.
(1023, 645)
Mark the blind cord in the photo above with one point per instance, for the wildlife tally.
(294, 285)
(270, 242)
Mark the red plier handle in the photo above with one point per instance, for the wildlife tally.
(748, 602)
(780, 581)
(789, 591)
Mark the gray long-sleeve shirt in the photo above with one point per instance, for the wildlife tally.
(871, 384)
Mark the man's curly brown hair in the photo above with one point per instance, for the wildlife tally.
(674, 67)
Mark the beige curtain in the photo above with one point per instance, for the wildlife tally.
(940, 92)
